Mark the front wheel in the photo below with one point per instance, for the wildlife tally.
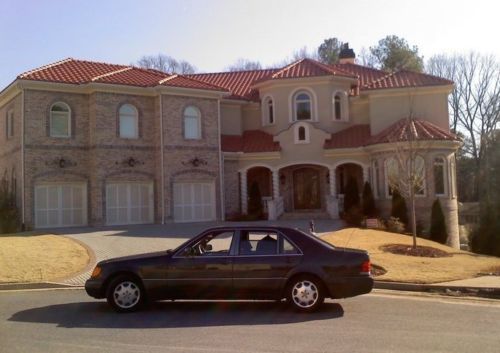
(305, 293)
(125, 294)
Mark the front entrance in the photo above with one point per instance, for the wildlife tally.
(306, 189)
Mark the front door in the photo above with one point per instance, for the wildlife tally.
(306, 189)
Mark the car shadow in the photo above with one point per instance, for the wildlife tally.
(174, 315)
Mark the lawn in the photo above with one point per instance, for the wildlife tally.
(31, 257)
(402, 268)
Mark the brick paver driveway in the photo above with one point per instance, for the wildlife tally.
(108, 242)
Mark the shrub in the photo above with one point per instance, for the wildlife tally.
(354, 216)
(395, 225)
(9, 215)
(438, 231)
(351, 198)
(399, 209)
(255, 201)
(485, 239)
(368, 201)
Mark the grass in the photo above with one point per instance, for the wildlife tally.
(35, 257)
(402, 268)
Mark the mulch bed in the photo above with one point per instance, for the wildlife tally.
(422, 251)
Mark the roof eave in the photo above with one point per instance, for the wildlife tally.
(9, 92)
(405, 90)
(293, 80)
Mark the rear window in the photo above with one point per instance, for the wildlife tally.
(316, 239)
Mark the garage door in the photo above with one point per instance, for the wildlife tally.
(129, 203)
(194, 202)
(60, 205)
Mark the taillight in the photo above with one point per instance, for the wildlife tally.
(365, 268)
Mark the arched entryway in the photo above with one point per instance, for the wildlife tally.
(262, 177)
(306, 189)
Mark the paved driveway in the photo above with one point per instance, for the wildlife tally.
(108, 242)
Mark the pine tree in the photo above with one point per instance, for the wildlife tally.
(438, 230)
(351, 198)
(399, 209)
(368, 201)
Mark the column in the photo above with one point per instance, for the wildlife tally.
(276, 184)
(244, 193)
(332, 181)
(365, 174)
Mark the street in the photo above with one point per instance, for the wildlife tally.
(70, 321)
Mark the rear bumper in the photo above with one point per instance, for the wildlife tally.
(94, 288)
(345, 287)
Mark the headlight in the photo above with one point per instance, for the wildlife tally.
(97, 271)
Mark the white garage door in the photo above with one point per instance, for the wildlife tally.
(60, 205)
(194, 202)
(129, 203)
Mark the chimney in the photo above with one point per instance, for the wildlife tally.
(346, 55)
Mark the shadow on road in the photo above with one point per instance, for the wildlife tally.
(174, 314)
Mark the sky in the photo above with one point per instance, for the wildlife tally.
(212, 34)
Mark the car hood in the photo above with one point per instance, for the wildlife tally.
(144, 256)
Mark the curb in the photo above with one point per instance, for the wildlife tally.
(35, 285)
(436, 288)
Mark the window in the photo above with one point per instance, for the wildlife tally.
(419, 175)
(192, 123)
(391, 175)
(287, 248)
(302, 106)
(129, 122)
(439, 172)
(268, 111)
(376, 179)
(340, 106)
(337, 107)
(213, 244)
(9, 128)
(452, 177)
(301, 133)
(258, 243)
(60, 120)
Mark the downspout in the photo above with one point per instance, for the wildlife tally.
(22, 161)
(162, 174)
(221, 165)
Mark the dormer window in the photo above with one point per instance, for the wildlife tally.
(301, 133)
(340, 106)
(302, 106)
(268, 111)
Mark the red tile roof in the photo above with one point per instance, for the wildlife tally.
(404, 78)
(359, 135)
(81, 72)
(404, 129)
(352, 137)
(251, 141)
(309, 68)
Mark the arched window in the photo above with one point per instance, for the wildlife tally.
(376, 179)
(301, 133)
(337, 107)
(129, 122)
(418, 175)
(340, 106)
(302, 106)
(391, 175)
(439, 171)
(192, 123)
(268, 111)
(60, 120)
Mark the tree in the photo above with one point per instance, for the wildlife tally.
(399, 209)
(351, 198)
(329, 50)
(368, 201)
(243, 65)
(9, 215)
(166, 64)
(393, 53)
(299, 54)
(438, 231)
(474, 103)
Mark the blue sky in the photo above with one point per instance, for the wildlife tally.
(213, 34)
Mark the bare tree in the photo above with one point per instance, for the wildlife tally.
(243, 65)
(166, 64)
(302, 53)
(365, 58)
(475, 101)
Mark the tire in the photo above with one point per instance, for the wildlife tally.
(305, 293)
(125, 294)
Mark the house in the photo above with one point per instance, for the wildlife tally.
(94, 143)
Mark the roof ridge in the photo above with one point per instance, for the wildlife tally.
(383, 78)
(287, 67)
(425, 74)
(111, 73)
(171, 77)
(230, 72)
(24, 74)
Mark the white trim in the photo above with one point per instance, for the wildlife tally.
(95, 78)
(68, 116)
(314, 104)
(265, 110)
(307, 134)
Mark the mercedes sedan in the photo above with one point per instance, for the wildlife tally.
(269, 263)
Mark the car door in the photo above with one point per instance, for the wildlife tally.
(263, 261)
(203, 269)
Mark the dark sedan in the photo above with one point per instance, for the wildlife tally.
(236, 263)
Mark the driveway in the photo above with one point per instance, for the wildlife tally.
(114, 241)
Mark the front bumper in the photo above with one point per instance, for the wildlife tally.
(94, 288)
(345, 287)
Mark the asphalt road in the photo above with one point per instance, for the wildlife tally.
(69, 321)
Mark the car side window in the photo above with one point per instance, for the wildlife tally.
(258, 243)
(213, 244)
(287, 248)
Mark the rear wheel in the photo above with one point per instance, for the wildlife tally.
(125, 293)
(305, 293)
